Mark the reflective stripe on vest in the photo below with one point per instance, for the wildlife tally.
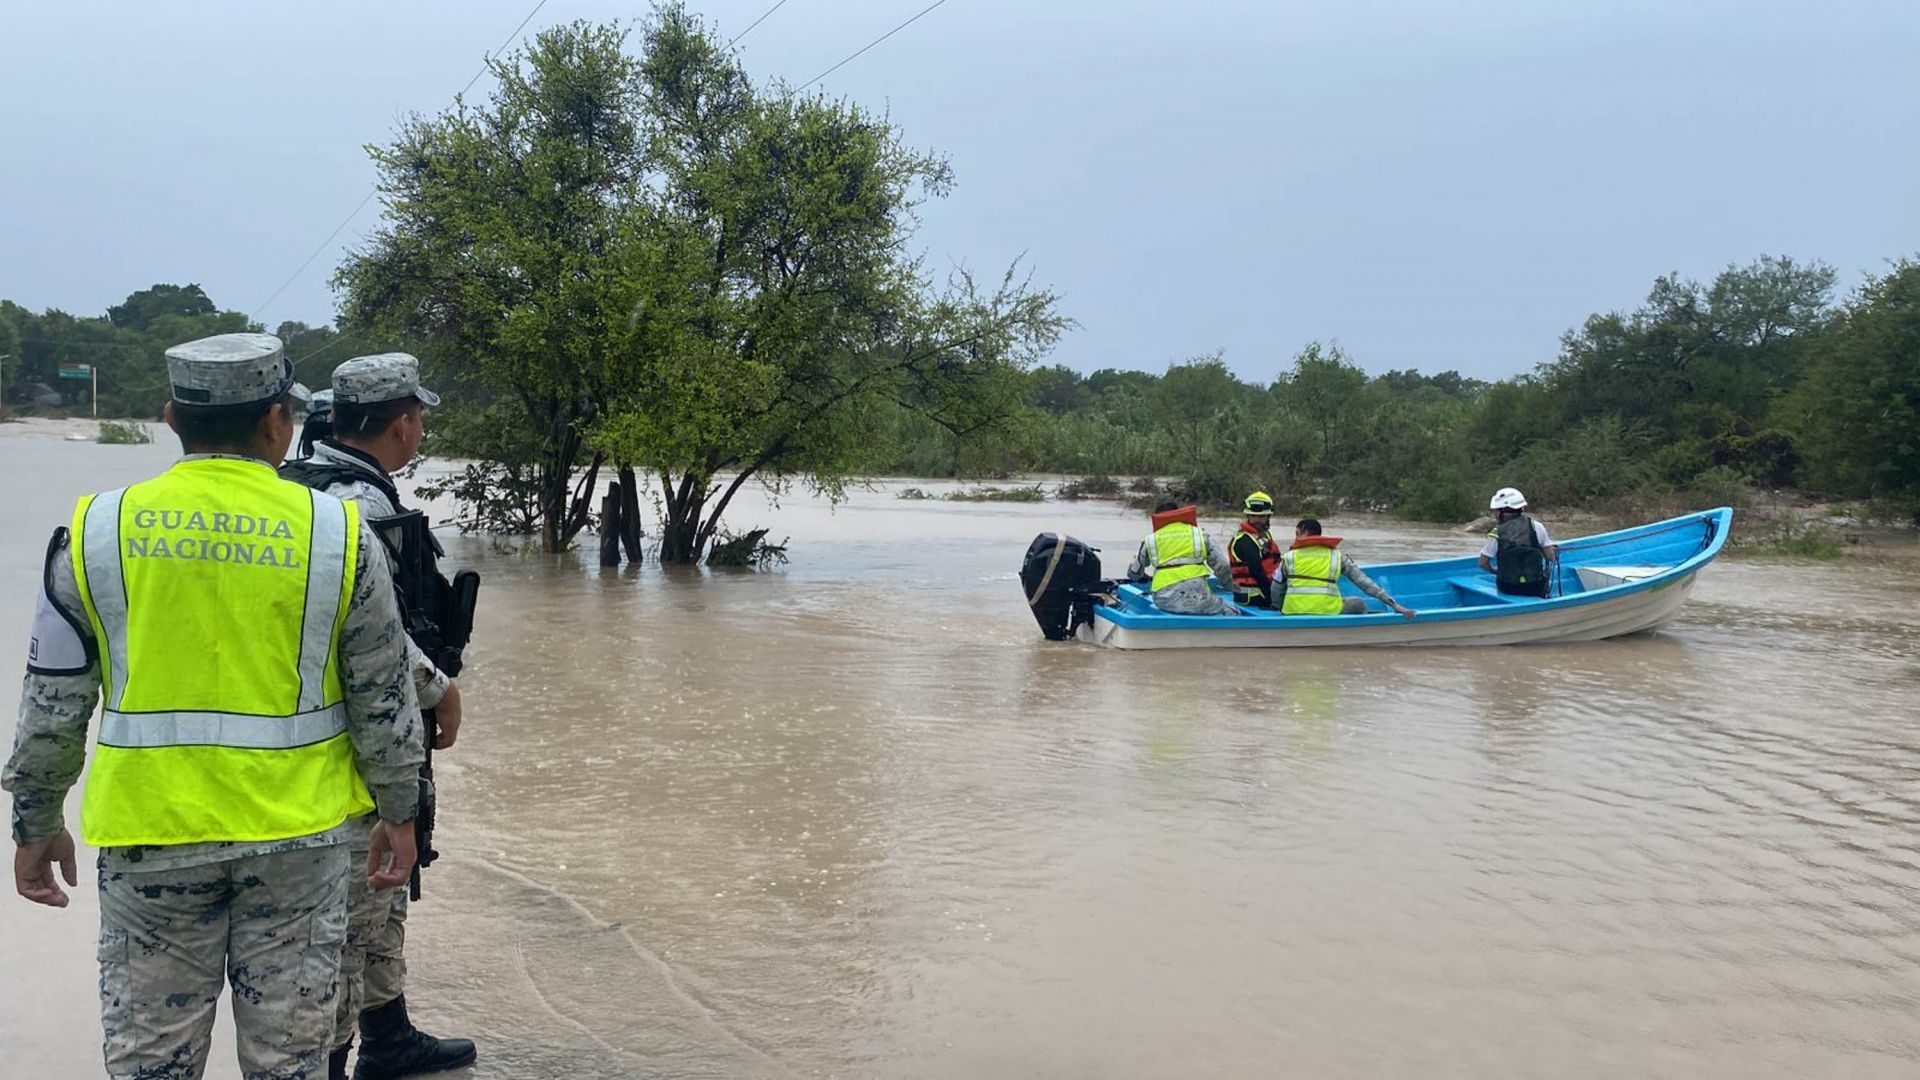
(1178, 552)
(1243, 580)
(218, 591)
(148, 730)
(1313, 581)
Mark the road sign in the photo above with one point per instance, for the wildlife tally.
(76, 371)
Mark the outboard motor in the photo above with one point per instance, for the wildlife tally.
(1061, 577)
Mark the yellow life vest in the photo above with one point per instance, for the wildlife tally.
(1178, 553)
(217, 591)
(1313, 581)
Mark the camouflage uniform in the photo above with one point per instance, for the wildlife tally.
(270, 916)
(373, 969)
(1193, 596)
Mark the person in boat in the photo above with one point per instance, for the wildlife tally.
(1254, 555)
(1310, 574)
(1518, 549)
(1179, 560)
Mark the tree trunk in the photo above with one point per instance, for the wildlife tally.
(553, 507)
(712, 525)
(579, 509)
(681, 540)
(556, 483)
(630, 531)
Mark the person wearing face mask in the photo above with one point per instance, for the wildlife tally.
(379, 409)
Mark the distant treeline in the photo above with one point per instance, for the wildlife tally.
(1760, 379)
(127, 344)
(1706, 391)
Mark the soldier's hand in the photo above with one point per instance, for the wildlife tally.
(33, 869)
(446, 716)
(390, 862)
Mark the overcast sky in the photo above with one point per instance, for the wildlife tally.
(1436, 184)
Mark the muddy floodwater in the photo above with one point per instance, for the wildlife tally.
(856, 818)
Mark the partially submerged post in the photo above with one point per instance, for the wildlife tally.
(628, 489)
(610, 510)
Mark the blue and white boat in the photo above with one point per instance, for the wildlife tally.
(1604, 586)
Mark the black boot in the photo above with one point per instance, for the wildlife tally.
(337, 1062)
(390, 1046)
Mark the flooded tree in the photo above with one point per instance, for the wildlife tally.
(773, 310)
(497, 255)
(651, 262)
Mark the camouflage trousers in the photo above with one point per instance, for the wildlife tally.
(271, 925)
(1191, 597)
(373, 965)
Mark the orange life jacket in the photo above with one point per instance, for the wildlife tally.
(1243, 579)
(1189, 515)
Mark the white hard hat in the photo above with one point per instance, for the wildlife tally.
(1508, 499)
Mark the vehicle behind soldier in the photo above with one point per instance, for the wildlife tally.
(245, 637)
(378, 406)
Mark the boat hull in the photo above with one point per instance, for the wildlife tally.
(1607, 586)
(1630, 614)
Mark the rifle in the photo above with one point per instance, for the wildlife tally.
(439, 619)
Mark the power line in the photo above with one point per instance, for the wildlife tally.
(503, 45)
(330, 346)
(756, 22)
(291, 278)
(348, 220)
(871, 44)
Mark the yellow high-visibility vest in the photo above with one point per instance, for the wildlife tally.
(1178, 553)
(1313, 581)
(217, 592)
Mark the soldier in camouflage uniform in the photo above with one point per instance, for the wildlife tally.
(377, 407)
(319, 422)
(221, 891)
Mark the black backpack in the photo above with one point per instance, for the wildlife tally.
(1519, 565)
(321, 475)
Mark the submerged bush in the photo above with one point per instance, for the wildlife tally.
(1089, 487)
(995, 494)
(123, 433)
(749, 549)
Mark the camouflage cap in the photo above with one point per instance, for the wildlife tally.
(323, 401)
(365, 380)
(229, 369)
(302, 397)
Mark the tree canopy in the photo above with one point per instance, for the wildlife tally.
(643, 258)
